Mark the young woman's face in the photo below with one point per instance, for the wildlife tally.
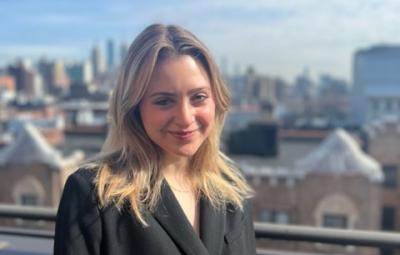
(178, 108)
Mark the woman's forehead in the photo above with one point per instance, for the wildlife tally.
(178, 73)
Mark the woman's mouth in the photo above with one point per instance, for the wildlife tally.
(183, 135)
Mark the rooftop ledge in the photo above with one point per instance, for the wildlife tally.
(377, 239)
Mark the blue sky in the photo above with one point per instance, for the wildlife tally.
(279, 38)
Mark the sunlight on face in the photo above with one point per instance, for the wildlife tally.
(178, 108)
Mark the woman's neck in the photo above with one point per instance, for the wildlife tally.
(181, 182)
(178, 174)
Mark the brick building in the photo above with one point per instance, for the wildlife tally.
(32, 171)
(383, 144)
(332, 184)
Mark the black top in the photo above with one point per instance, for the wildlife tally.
(83, 228)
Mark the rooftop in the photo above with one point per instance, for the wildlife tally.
(31, 147)
(340, 154)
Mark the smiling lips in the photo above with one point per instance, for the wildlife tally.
(183, 135)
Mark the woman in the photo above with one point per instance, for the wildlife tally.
(161, 185)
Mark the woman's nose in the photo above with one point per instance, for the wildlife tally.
(185, 114)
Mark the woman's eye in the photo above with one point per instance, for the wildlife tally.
(200, 97)
(163, 102)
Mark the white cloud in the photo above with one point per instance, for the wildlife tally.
(279, 37)
(320, 34)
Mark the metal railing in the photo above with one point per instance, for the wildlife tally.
(367, 238)
(28, 212)
(376, 239)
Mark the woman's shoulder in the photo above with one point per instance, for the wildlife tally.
(78, 209)
(81, 184)
(86, 172)
(85, 175)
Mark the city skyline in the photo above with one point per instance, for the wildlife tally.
(277, 38)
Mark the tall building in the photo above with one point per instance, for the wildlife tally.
(27, 81)
(46, 71)
(98, 62)
(7, 87)
(304, 86)
(110, 54)
(19, 72)
(55, 78)
(37, 90)
(260, 90)
(80, 72)
(376, 84)
(61, 81)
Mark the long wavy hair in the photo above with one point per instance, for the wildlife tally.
(129, 165)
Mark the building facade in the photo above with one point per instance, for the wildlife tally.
(335, 185)
(32, 171)
(376, 84)
(383, 144)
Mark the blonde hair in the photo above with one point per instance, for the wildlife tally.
(129, 168)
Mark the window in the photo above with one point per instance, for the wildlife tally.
(382, 105)
(274, 216)
(281, 217)
(388, 220)
(335, 221)
(390, 173)
(389, 105)
(374, 103)
(265, 215)
(29, 199)
(282, 180)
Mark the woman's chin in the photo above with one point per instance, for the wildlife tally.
(181, 154)
(185, 154)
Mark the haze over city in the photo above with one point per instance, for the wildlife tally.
(279, 38)
(313, 122)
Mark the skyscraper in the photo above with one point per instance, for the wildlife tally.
(98, 63)
(18, 71)
(110, 54)
(26, 80)
(61, 80)
(80, 72)
(55, 78)
(376, 84)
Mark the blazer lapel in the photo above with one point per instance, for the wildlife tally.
(171, 217)
(212, 225)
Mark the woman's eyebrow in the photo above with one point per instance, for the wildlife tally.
(171, 94)
(160, 93)
(199, 89)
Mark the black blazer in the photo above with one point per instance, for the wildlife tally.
(82, 228)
